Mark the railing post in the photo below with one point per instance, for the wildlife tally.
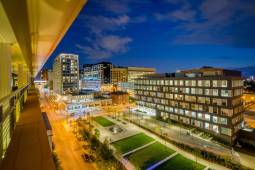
(1, 132)
(1, 114)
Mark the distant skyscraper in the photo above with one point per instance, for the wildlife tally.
(100, 71)
(66, 74)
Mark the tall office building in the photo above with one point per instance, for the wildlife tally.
(119, 74)
(206, 98)
(66, 74)
(100, 71)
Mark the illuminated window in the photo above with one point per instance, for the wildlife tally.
(226, 131)
(215, 119)
(207, 117)
(224, 83)
(216, 128)
(207, 125)
(199, 115)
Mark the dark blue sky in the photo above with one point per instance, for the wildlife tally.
(166, 34)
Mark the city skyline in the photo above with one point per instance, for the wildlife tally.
(127, 84)
(174, 32)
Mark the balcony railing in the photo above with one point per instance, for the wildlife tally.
(10, 108)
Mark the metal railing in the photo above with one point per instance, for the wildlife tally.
(8, 116)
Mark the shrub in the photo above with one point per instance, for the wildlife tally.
(56, 161)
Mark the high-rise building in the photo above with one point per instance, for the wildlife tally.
(66, 74)
(206, 98)
(119, 74)
(50, 79)
(100, 71)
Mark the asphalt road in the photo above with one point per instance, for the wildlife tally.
(68, 149)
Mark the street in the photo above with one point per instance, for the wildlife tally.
(68, 148)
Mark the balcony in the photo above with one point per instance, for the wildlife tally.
(28, 147)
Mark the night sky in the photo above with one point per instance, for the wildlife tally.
(166, 34)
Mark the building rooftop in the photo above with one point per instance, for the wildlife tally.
(200, 72)
(119, 93)
(89, 65)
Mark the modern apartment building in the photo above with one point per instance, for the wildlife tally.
(66, 74)
(100, 71)
(119, 74)
(206, 98)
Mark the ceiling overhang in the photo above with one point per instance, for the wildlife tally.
(39, 26)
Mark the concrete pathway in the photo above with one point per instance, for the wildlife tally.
(139, 148)
(127, 164)
(162, 161)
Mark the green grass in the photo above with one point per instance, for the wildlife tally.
(150, 155)
(103, 121)
(180, 162)
(130, 143)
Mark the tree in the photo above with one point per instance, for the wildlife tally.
(97, 133)
(94, 142)
(105, 151)
(85, 134)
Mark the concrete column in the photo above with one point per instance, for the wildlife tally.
(5, 69)
(22, 75)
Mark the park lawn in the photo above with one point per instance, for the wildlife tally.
(130, 143)
(103, 121)
(150, 155)
(180, 162)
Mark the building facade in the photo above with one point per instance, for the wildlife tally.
(100, 71)
(119, 74)
(90, 83)
(132, 74)
(66, 74)
(208, 99)
(50, 79)
(119, 97)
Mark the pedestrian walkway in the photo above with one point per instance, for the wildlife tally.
(206, 168)
(127, 164)
(162, 161)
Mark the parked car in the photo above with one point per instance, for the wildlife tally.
(88, 158)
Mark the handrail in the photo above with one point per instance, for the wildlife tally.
(4, 99)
